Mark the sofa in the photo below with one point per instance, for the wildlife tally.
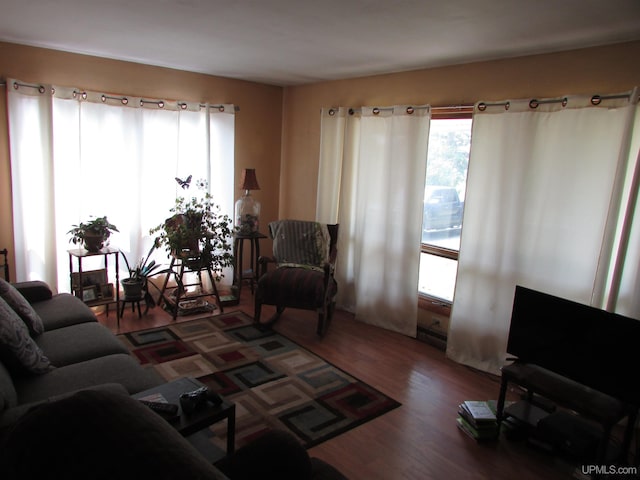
(105, 435)
(66, 409)
(52, 346)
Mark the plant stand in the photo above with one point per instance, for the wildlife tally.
(134, 302)
(179, 267)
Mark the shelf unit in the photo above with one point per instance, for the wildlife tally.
(78, 279)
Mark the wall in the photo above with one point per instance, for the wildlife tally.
(587, 71)
(258, 124)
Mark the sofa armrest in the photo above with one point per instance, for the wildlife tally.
(34, 290)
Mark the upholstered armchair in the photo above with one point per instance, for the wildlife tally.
(300, 273)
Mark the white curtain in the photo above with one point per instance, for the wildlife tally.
(547, 192)
(375, 162)
(77, 154)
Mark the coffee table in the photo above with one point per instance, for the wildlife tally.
(206, 415)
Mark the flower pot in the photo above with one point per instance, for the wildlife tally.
(93, 243)
(132, 288)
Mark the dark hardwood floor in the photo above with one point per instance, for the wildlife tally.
(419, 440)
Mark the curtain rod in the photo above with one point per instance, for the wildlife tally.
(535, 103)
(124, 99)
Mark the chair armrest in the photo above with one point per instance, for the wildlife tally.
(34, 290)
(263, 265)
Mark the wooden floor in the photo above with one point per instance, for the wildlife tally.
(419, 440)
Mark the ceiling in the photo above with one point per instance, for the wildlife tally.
(294, 42)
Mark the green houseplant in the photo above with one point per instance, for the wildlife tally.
(93, 234)
(198, 234)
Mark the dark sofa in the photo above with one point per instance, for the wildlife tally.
(52, 345)
(66, 410)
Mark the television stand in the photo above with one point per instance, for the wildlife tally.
(587, 402)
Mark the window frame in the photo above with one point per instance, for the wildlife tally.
(426, 300)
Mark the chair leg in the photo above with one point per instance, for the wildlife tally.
(257, 310)
(325, 315)
(321, 323)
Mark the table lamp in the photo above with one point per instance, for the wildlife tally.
(248, 208)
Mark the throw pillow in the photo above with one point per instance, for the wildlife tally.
(18, 351)
(22, 307)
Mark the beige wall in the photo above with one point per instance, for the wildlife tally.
(258, 124)
(589, 71)
(278, 131)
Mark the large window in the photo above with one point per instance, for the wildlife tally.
(447, 162)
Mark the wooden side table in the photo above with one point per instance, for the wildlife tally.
(77, 279)
(239, 275)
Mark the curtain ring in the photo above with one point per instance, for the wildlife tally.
(507, 105)
(41, 89)
(160, 104)
(182, 105)
(376, 111)
(596, 99)
(410, 110)
(352, 111)
(533, 103)
(564, 102)
(332, 112)
(125, 101)
(16, 86)
(482, 106)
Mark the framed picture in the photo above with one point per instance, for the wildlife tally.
(90, 278)
(89, 293)
(106, 291)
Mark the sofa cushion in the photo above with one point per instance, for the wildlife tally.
(22, 307)
(10, 416)
(102, 436)
(18, 350)
(77, 343)
(118, 368)
(63, 310)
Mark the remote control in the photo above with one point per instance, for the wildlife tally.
(166, 409)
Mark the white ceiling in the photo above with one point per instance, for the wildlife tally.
(293, 42)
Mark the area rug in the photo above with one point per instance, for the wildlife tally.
(274, 382)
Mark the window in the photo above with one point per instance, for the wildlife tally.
(447, 163)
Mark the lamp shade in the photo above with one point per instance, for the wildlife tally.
(248, 180)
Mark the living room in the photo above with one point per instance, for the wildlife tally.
(278, 134)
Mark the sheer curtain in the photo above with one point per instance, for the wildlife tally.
(77, 154)
(547, 192)
(375, 163)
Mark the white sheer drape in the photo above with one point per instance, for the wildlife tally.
(545, 193)
(377, 163)
(74, 156)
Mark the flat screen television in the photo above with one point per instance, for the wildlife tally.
(596, 348)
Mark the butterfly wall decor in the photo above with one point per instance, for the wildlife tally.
(184, 183)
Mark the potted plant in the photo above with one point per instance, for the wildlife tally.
(137, 284)
(198, 234)
(92, 235)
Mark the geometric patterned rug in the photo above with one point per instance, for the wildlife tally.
(274, 382)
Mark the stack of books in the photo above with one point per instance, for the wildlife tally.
(477, 419)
